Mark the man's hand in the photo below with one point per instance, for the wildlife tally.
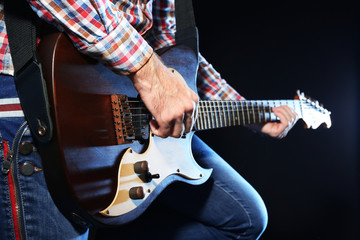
(168, 98)
(288, 118)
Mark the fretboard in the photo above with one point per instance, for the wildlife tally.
(218, 114)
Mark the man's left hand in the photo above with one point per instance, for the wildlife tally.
(280, 129)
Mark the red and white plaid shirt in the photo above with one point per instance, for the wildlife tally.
(112, 32)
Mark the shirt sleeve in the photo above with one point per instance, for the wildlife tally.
(211, 86)
(209, 82)
(98, 29)
(164, 27)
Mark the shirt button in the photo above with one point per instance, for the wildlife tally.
(26, 148)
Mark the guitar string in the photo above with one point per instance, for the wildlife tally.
(258, 109)
(247, 102)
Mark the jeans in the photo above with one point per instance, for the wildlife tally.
(27, 209)
(225, 207)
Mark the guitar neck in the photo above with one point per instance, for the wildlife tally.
(218, 114)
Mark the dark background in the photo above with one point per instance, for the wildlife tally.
(309, 180)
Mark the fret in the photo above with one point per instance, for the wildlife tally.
(233, 113)
(201, 111)
(226, 116)
(228, 110)
(253, 111)
(207, 117)
(228, 113)
(216, 113)
(197, 123)
(247, 111)
(225, 110)
(210, 114)
(266, 107)
(263, 111)
(275, 103)
(222, 120)
(273, 116)
(237, 112)
(259, 111)
(204, 116)
(266, 117)
(213, 114)
(242, 112)
(213, 120)
(269, 110)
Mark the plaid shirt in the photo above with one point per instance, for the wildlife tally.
(112, 32)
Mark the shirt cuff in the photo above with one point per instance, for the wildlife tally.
(123, 50)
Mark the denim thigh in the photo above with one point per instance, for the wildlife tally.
(28, 210)
(225, 207)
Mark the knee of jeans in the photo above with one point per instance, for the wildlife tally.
(255, 225)
(258, 222)
(261, 221)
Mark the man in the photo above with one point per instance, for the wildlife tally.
(123, 35)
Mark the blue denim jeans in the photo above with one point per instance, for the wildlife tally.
(225, 207)
(27, 209)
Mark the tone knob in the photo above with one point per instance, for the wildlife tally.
(136, 193)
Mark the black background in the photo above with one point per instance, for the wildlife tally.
(309, 180)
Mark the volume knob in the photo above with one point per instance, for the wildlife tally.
(141, 167)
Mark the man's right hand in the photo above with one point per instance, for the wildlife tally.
(168, 98)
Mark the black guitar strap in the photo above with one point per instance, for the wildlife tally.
(22, 34)
(21, 29)
(186, 31)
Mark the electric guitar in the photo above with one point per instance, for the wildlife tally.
(103, 165)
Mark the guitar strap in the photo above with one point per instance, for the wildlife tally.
(186, 31)
(22, 34)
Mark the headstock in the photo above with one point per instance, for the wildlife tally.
(313, 113)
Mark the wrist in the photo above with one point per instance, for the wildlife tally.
(149, 75)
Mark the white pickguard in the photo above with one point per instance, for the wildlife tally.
(165, 157)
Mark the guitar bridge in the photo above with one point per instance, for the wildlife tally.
(131, 119)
